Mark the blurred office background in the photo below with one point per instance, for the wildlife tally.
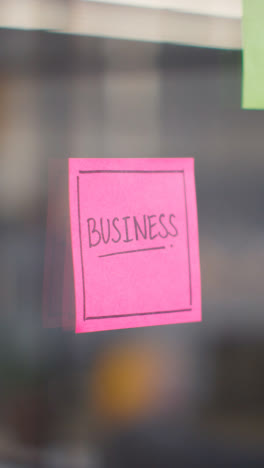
(73, 86)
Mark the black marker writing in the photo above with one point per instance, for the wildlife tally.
(131, 228)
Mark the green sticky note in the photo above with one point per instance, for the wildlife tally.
(253, 56)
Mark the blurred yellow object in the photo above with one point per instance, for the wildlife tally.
(126, 384)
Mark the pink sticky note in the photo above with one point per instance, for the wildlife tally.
(135, 242)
